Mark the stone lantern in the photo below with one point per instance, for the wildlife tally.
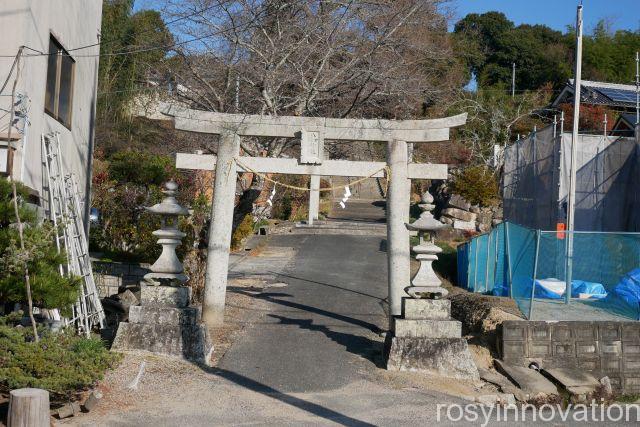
(425, 338)
(426, 283)
(168, 270)
(165, 322)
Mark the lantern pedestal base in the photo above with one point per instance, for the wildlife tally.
(164, 323)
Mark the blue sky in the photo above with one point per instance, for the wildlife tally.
(557, 14)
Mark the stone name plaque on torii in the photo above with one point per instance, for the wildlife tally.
(312, 131)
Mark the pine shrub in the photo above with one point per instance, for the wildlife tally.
(62, 363)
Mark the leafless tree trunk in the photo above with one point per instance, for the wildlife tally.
(27, 279)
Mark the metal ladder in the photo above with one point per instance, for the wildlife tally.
(65, 214)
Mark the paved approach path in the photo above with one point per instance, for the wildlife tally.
(318, 332)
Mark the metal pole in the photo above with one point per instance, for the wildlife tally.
(513, 80)
(475, 267)
(555, 125)
(535, 273)
(637, 88)
(506, 233)
(605, 124)
(486, 264)
(574, 152)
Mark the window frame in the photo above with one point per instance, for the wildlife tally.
(61, 52)
(9, 159)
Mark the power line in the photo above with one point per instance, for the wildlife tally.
(39, 53)
(107, 42)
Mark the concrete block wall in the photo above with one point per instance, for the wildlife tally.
(110, 277)
(605, 348)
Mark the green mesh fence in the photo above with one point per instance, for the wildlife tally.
(530, 266)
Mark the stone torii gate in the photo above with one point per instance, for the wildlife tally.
(312, 131)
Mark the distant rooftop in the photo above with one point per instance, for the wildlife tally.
(615, 95)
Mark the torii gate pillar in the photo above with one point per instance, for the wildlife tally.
(314, 199)
(221, 223)
(398, 206)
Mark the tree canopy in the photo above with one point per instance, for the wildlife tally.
(490, 43)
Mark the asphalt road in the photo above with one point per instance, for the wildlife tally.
(320, 330)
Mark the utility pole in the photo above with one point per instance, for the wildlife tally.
(574, 151)
(513, 80)
(237, 100)
(637, 88)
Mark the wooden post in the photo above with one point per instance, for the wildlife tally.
(28, 407)
(224, 194)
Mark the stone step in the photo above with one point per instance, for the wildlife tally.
(164, 315)
(341, 227)
(426, 309)
(344, 224)
(184, 341)
(428, 328)
(529, 380)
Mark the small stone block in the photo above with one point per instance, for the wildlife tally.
(609, 332)
(539, 349)
(464, 225)
(428, 328)
(514, 330)
(588, 364)
(586, 348)
(540, 332)
(611, 348)
(561, 333)
(631, 348)
(564, 349)
(169, 296)
(631, 332)
(431, 309)
(611, 364)
(632, 384)
(632, 364)
(514, 349)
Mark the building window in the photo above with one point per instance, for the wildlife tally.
(59, 93)
(5, 161)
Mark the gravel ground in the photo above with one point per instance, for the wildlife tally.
(173, 392)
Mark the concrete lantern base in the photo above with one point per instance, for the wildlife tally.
(164, 323)
(427, 340)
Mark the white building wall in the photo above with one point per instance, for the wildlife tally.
(73, 23)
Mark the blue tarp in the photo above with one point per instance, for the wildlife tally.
(625, 296)
(544, 291)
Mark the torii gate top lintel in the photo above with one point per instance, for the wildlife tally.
(381, 130)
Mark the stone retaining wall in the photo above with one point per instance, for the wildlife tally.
(111, 277)
(604, 348)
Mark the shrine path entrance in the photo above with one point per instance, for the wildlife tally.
(321, 331)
